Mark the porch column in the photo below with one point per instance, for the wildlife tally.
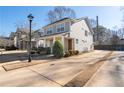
(37, 43)
(23, 45)
(54, 39)
(44, 43)
(62, 40)
(73, 48)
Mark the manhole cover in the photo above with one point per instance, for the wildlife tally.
(52, 64)
(121, 58)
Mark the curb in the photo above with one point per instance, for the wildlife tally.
(26, 64)
(93, 76)
(88, 78)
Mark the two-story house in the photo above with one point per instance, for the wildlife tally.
(21, 38)
(5, 41)
(74, 34)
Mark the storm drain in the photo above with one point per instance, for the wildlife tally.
(52, 64)
(121, 58)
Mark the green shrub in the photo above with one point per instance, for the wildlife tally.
(33, 51)
(71, 52)
(76, 52)
(58, 50)
(41, 50)
(1, 46)
(67, 54)
(34, 48)
(48, 50)
(12, 47)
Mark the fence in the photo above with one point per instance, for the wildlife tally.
(110, 47)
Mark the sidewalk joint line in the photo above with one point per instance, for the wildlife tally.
(93, 76)
(45, 77)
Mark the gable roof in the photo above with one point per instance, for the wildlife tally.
(58, 21)
(89, 25)
(87, 22)
(75, 20)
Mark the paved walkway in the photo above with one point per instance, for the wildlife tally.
(111, 73)
(54, 73)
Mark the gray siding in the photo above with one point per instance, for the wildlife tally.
(67, 26)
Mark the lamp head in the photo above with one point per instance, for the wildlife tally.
(30, 17)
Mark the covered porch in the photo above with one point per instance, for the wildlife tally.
(67, 42)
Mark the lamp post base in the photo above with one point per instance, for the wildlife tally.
(29, 59)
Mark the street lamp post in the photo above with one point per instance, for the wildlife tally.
(30, 18)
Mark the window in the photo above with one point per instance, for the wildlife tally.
(49, 31)
(86, 33)
(89, 33)
(60, 28)
(84, 41)
(91, 46)
(42, 33)
(76, 41)
(82, 28)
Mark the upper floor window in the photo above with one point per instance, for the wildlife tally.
(49, 31)
(89, 33)
(42, 33)
(86, 33)
(23, 36)
(60, 28)
(76, 41)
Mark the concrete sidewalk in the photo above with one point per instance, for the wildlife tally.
(44, 59)
(111, 73)
(55, 73)
(25, 78)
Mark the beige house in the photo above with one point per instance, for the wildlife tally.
(74, 34)
(21, 38)
(5, 41)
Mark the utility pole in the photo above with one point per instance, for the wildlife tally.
(97, 27)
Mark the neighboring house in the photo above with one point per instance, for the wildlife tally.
(120, 42)
(21, 38)
(102, 36)
(11, 36)
(5, 41)
(74, 34)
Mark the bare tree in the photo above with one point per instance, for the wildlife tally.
(114, 39)
(23, 24)
(51, 16)
(93, 22)
(60, 12)
(122, 10)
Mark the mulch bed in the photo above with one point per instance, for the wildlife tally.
(81, 79)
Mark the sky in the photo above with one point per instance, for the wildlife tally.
(109, 16)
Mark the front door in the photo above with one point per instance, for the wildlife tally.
(69, 44)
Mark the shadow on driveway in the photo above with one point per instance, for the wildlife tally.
(22, 56)
(117, 76)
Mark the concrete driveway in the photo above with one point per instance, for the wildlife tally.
(54, 73)
(111, 73)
